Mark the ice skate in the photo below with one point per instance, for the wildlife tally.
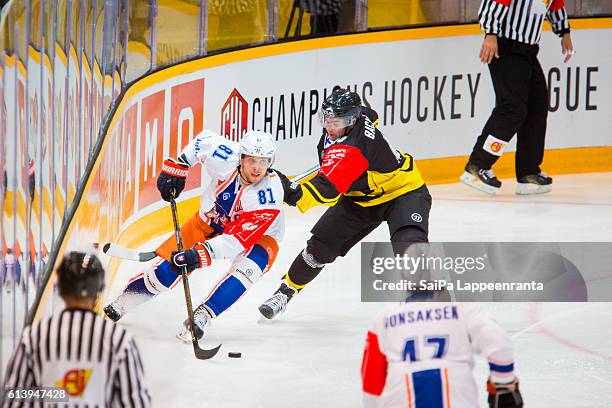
(481, 179)
(534, 184)
(201, 317)
(278, 302)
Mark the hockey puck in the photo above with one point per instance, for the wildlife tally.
(234, 354)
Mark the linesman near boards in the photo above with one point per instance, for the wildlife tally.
(364, 180)
(510, 48)
(95, 361)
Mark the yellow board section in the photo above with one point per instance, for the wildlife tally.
(556, 161)
(388, 13)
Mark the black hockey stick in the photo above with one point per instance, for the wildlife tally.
(117, 251)
(200, 353)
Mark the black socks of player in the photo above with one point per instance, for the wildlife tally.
(303, 270)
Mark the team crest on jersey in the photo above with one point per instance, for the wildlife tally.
(251, 225)
(248, 226)
(238, 207)
(216, 218)
(75, 381)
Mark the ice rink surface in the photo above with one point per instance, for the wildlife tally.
(311, 355)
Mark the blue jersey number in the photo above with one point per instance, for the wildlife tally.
(222, 152)
(411, 352)
(263, 197)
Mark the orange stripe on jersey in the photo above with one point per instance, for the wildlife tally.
(271, 246)
(140, 275)
(407, 378)
(236, 201)
(193, 231)
(447, 388)
(180, 278)
(219, 282)
(226, 182)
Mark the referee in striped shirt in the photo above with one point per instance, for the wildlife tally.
(513, 29)
(93, 359)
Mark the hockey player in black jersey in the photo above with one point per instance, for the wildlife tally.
(365, 182)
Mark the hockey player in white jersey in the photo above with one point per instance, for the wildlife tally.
(240, 219)
(420, 355)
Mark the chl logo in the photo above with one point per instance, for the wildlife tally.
(234, 116)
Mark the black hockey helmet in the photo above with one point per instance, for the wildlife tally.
(342, 104)
(80, 275)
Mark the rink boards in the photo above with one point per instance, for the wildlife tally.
(431, 92)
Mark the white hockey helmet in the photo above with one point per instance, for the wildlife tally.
(259, 144)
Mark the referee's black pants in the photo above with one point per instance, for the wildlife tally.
(521, 108)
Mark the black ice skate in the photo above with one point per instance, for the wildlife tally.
(534, 184)
(481, 179)
(201, 317)
(278, 302)
(113, 311)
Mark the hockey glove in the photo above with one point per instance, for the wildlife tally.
(171, 180)
(193, 258)
(504, 395)
(292, 190)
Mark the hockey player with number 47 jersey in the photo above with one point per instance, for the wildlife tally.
(419, 355)
(240, 219)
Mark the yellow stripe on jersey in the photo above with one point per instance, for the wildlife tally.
(388, 186)
(311, 197)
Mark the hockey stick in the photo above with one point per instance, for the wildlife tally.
(200, 353)
(305, 174)
(117, 251)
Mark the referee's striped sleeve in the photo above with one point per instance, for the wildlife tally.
(19, 372)
(491, 13)
(557, 17)
(129, 379)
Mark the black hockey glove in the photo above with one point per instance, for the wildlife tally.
(292, 190)
(193, 258)
(504, 395)
(171, 180)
